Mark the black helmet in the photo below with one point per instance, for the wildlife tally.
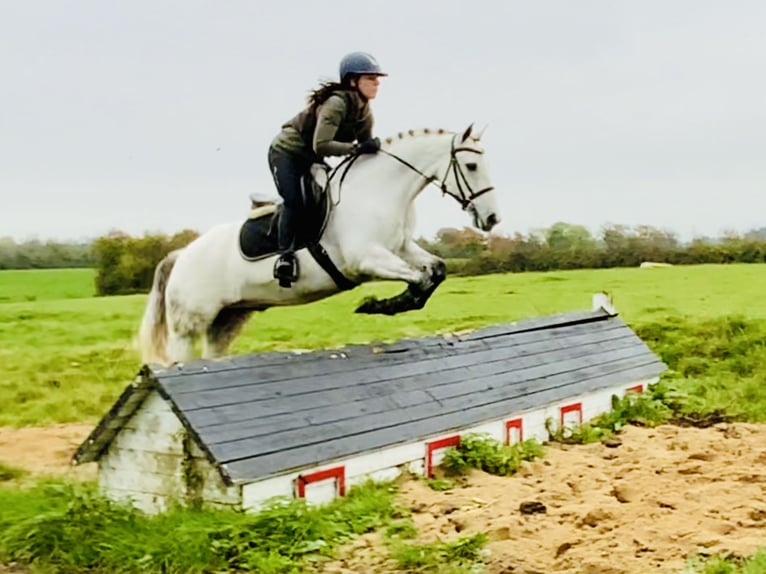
(359, 63)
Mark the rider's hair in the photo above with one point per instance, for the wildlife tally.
(319, 95)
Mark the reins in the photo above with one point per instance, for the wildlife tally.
(463, 198)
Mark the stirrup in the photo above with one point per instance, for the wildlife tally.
(286, 270)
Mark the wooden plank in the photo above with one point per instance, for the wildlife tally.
(545, 349)
(260, 360)
(306, 365)
(536, 372)
(242, 447)
(312, 454)
(360, 401)
(122, 410)
(342, 406)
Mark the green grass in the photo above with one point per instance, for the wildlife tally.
(68, 359)
(490, 455)
(459, 556)
(755, 564)
(64, 528)
(8, 472)
(46, 284)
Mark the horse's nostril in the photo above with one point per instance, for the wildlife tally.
(492, 219)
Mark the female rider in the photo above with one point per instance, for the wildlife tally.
(337, 121)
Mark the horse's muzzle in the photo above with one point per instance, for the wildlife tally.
(486, 224)
(492, 220)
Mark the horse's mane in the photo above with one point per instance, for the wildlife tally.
(421, 132)
(415, 133)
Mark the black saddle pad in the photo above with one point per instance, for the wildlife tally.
(259, 233)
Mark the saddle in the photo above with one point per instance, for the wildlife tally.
(259, 232)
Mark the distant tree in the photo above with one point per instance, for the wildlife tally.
(126, 264)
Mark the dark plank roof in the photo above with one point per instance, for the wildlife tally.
(267, 413)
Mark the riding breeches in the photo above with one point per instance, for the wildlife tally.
(288, 171)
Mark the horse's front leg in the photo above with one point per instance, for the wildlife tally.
(423, 274)
(427, 263)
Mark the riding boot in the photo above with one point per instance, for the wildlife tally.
(286, 267)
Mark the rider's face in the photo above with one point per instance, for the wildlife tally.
(368, 85)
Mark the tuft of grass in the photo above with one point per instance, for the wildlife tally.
(478, 450)
(403, 529)
(727, 564)
(455, 557)
(644, 409)
(8, 472)
(576, 434)
(440, 484)
(70, 528)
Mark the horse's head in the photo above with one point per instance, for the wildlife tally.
(467, 180)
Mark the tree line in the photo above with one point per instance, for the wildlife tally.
(571, 246)
(125, 264)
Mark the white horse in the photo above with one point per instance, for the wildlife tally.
(209, 289)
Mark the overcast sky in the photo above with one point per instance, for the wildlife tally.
(155, 116)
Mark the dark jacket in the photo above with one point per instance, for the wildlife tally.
(329, 130)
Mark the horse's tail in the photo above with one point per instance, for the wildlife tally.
(153, 334)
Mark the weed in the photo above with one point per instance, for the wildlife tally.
(480, 451)
(458, 556)
(440, 484)
(403, 529)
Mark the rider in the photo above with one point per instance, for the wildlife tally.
(337, 121)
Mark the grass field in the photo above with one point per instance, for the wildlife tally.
(46, 284)
(67, 359)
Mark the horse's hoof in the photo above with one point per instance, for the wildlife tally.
(369, 306)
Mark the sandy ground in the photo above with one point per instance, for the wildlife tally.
(46, 451)
(640, 506)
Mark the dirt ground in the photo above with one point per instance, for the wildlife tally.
(643, 506)
(46, 451)
(639, 506)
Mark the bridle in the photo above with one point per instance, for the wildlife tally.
(464, 196)
(464, 199)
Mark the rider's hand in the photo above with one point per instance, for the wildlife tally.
(370, 146)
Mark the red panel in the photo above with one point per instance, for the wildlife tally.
(637, 389)
(513, 424)
(573, 408)
(436, 445)
(338, 473)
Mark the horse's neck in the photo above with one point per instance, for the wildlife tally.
(399, 184)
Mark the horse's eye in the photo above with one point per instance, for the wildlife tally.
(471, 166)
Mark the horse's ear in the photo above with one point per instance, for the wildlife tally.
(467, 133)
(477, 137)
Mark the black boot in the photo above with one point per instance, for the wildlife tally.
(286, 269)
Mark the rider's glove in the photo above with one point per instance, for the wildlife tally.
(370, 146)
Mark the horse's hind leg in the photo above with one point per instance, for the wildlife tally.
(184, 326)
(222, 331)
(180, 346)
